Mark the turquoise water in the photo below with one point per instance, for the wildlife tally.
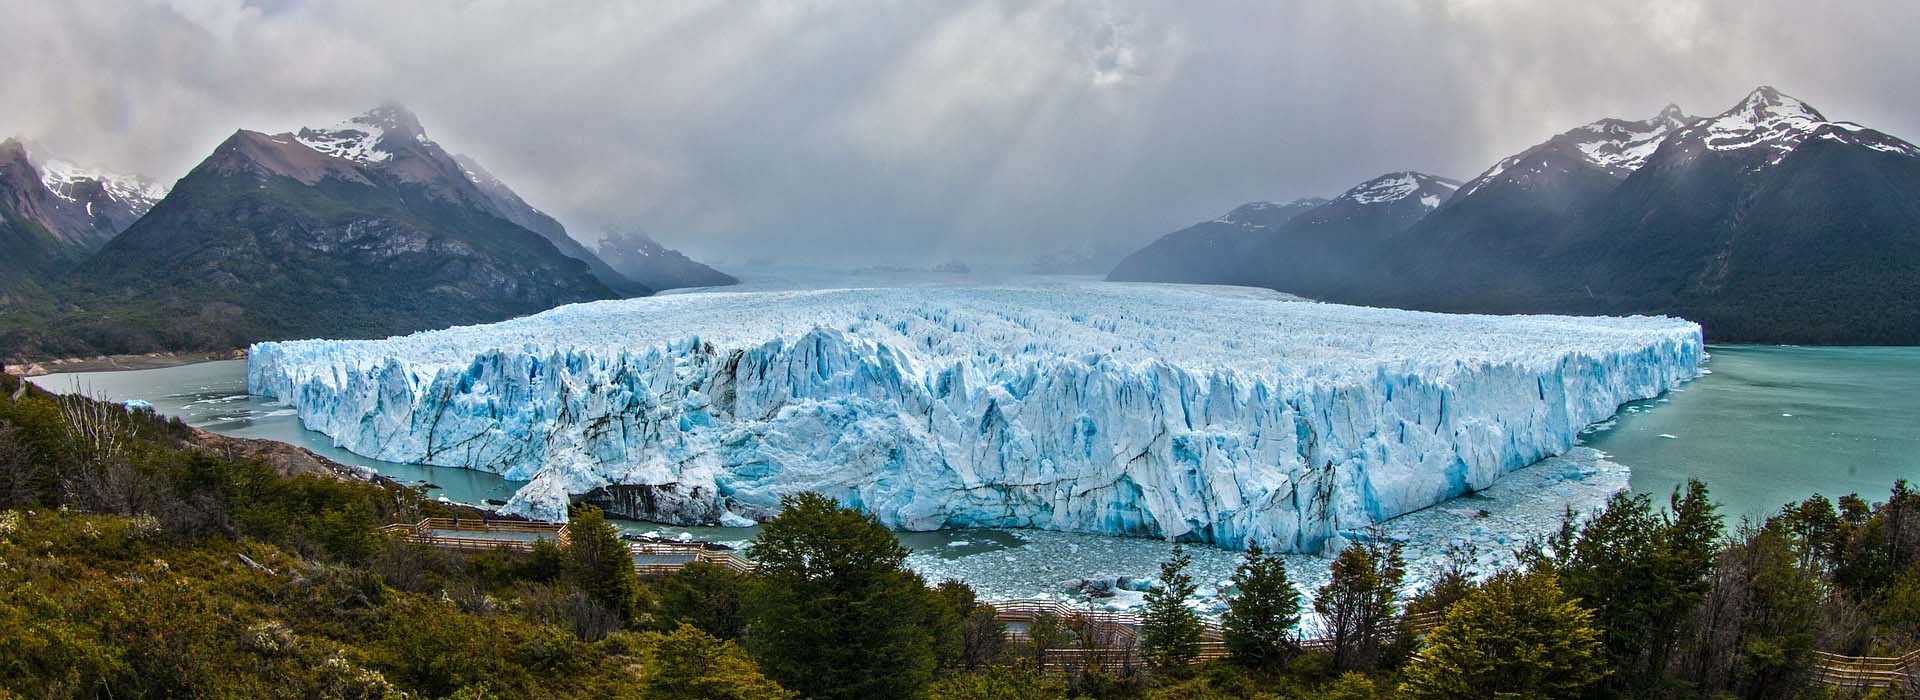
(1768, 425)
(213, 396)
(1773, 424)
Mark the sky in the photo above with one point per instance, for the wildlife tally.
(917, 132)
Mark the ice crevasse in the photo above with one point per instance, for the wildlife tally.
(1210, 414)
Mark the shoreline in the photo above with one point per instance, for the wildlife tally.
(119, 363)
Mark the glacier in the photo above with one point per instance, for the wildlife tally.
(1221, 415)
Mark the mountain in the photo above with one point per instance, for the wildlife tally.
(390, 138)
(1314, 248)
(1212, 252)
(1766, 223)
(511, 207)
(1468, 249)
(1335, 248)
(640, 258)
(53, 214)
(364, 229)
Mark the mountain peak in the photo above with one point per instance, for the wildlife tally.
(363, 138)
(1393, 187)
(394, 118)
(1773, 120)
(1767, 103)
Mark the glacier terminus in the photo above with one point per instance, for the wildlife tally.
(1220, 415)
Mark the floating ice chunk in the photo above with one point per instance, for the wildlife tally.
(1085, 407)
(1669, 436)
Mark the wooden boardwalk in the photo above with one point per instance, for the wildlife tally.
(1099, 639)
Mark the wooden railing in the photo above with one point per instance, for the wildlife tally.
(676, 554)
(423, 532)
(1866, 671)
(1108, 640)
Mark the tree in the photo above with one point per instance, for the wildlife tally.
(705, 595)
(1782, 616)
(1169, 630)
(600, 564)
(1258, 624)
(1684, 552)
(689, 664)
(965, 633)
(834, 613)
(1515, 636)
(1357, 603)
(1642, 573)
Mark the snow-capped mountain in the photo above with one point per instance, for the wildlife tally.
(390, 138)
(368, 228)
(1505, 218)
(1778, 124)
(1309, 247)
(1616, 147)
(640, 257)
(1768, 222)
(1393, 200)
(54, 213)
(74, 184)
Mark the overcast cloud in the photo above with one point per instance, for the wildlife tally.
(916, 131)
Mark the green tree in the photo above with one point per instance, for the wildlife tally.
(1357, 603)
(705, 595)
(1684, 552)
(688, 664)
(965, 633)
(1782, 616)
(1516, 636)
(1259, 621)
(1169, 630)
(600, 564)
(1641, 573)
(834, 613)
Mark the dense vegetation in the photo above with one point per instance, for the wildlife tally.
(135, 564)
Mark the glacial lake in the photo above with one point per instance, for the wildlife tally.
(1768, 425)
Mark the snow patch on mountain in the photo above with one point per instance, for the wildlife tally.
(1212, 414)
(1620, 146)
(1778, 122)
(359, 139)
(1392, 186)
(62, 177)
(1617, 146)
(359, 143)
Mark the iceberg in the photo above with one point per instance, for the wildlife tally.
(1219, 415)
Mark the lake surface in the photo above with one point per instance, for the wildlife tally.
(1774, 424)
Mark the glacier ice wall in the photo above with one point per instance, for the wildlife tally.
(1210, 414)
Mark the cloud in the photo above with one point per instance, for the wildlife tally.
(915, 131)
